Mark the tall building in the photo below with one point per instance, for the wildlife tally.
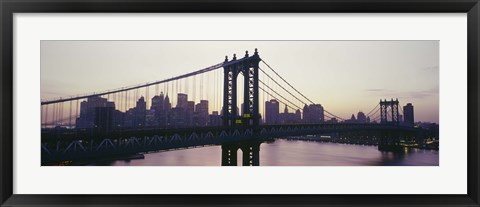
(165, 116)
(104, 118)
(272, 109)
(118, 119)
(150, 118)
(361, 118)
(137, 115)
(158, 106)
(182, 101)
(298, 116)
(189, 113)
(88, 111)
(313, 114)
(177, 117)
(167, 105)
(157, 102)
(201, 111)
(408, 115)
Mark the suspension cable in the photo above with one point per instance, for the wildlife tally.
(287, 82)
(278, 94)
(281, 85)
(278, 99)
(213, 67)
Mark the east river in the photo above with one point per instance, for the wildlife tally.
(290, 153)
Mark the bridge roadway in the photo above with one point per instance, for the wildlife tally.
(70, 145)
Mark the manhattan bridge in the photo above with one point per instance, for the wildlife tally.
(117, 122)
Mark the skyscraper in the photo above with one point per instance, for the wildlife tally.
(272, 109)
(189, 113)
(104, 118)
(177, 117)
(298, 116)
(201, 110)
(140, 112)
(182, 101)
(157, 102)
(361, 118)
(135, 117)
(408, 115)
(167, 105)
(88, 111)
(313, 113)
(165, 117)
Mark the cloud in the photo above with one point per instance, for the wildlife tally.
(379, 90)
(387, 93)
(420, 94)
(374, 90)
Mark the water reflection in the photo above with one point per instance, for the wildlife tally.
(291, 153)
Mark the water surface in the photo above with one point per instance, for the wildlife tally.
(291, 153)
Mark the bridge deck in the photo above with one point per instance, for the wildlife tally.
(84, 144)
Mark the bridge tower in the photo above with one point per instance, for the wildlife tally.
(384, 110)
(250, 119)
(389, 139)
(248, 66)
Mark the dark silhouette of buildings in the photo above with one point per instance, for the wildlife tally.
(313, 114)
(136, 117)
(88, 113)
(352, 119)
(361, 118)
(201, 112)
(190, 113)
(167, 108)
(290, 118)
(408, 115)
(182, 101)
(332, 120)
(272, 109)
(100, 114)
(104, 118)
(177, 118)
(215, 119)
(158, 108)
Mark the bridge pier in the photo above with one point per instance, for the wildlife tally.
(250, 156)
(229, 155)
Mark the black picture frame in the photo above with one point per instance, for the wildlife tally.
(9, 7)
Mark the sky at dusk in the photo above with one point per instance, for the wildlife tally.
(344, 76)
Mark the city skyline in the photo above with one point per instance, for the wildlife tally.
(104, 114)
(93, 57)
(241, 102)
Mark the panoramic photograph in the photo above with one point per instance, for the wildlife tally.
(239, 103)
